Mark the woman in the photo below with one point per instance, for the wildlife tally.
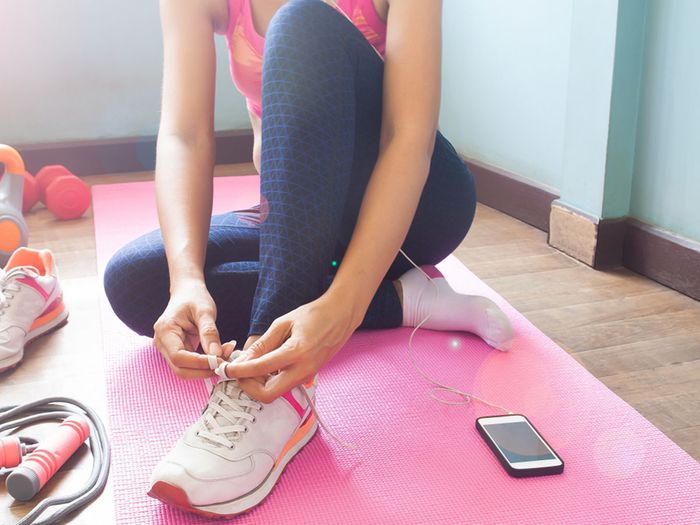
(352, 170)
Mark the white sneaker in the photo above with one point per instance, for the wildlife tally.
(231, 458)
(31, 302)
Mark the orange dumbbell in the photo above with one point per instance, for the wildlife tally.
(64, 194)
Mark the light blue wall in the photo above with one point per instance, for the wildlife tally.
(666, 185)
(624, 111)
(591, 64)
(87, 69)
(596, 99)
(505, 78)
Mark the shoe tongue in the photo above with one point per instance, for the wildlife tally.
(11, 275)
(230, 388)
(19, 271)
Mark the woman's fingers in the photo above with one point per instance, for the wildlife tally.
(283, 357)
(191, 373)
(183, 358)
(227, 349)
(275, 386)
(271, 339)
(169, 340)
(268, 353)
(208, 333)
(173, 343)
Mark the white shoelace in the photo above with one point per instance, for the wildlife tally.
(237, 404)
(223, 421)
(8, 286)
(233, 397)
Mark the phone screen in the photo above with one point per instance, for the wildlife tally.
(518, 442)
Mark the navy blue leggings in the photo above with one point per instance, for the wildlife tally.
(322, 101)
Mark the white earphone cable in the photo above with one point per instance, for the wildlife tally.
(466, 396)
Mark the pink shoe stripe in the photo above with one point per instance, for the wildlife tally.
(32, 283)
(54, 304)
(295, 404)
(432, 271)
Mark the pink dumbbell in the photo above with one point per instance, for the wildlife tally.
(65, 195)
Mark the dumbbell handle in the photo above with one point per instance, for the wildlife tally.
(11, 159)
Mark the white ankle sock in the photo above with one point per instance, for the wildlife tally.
(451, 310)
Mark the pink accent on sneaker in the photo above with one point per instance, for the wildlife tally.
(432, 271)
(31, 282)
(295, 404)
(54, 304)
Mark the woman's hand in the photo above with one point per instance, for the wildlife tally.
(189, 320)
(298, 343)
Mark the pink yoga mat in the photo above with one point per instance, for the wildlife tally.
(418, 461)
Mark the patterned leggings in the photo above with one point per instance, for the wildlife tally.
(322, 101)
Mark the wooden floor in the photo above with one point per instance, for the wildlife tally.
(638, 337)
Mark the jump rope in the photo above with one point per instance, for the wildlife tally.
(25, 478)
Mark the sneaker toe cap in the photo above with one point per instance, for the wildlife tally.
(11, 342)
(207, 478)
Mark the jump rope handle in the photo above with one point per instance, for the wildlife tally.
(31, 475)
(11, 452)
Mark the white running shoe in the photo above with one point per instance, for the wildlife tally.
(231, 458)
(31, 302)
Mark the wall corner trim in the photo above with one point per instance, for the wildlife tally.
(127, 154)
(511, 194)
(595, 242)
(663, 256)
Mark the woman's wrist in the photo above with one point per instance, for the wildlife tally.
(351, 299)
(182, 280)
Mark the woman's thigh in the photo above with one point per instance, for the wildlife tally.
(443, 217)
(445, 211)
(137, 281)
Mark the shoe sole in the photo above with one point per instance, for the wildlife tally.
(177, 497)
(53, 321)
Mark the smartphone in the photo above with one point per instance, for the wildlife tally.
(519, 447)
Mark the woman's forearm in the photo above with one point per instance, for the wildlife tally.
(184, 182)
(387, 211)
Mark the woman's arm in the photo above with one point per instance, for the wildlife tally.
(409, 122)
(185, 151)
(184, 171)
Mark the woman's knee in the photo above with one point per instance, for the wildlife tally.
(312, 23)
(301, 12)
(457, 188)
(136, 283)
(446, 209)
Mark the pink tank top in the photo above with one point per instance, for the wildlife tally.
(245, 45)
